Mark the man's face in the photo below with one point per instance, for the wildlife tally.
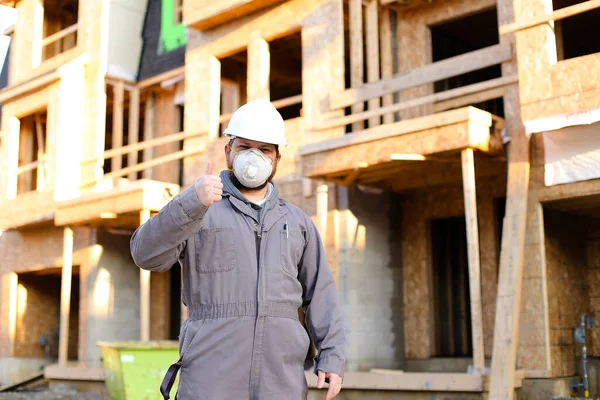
(239, 144)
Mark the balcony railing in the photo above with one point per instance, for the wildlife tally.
(133, 166)
(58, 39)
(428, 74)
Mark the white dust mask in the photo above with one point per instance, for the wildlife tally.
(252, 167)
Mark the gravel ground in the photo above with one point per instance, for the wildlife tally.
(59, 392)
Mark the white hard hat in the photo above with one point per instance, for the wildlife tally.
(258, 120)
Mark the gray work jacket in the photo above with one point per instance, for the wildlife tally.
(243, 283)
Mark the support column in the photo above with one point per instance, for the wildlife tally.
(259, 64)
(469, 190)
(144, 292)
(65, 296)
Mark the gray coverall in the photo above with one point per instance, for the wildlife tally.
(246, 272)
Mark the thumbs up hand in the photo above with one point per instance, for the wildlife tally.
(209, 187)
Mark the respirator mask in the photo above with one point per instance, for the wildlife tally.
(252, 167)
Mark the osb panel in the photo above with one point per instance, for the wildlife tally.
(160, 289)
(431, 141)
(25, 250)
(572, 103)
(444, 202)
(414, 41)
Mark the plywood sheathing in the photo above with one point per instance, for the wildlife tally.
(548, 87)
(414, 41)
(420, 206)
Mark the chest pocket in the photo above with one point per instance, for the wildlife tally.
(215, 250)
(292, 248)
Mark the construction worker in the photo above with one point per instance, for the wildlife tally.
(250, 260)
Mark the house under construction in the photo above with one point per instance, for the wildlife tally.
(448, 151)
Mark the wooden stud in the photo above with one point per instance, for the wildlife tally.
(144, 291)
(356, 55)
(134, 127)
(214, 95)
(117, 127)
(468, 172)
(436, 71)
(387, 63)
(149, 128)
(41, 156)
(258, 68)
(65, 295)
(372, 30)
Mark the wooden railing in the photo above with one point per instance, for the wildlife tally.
(428, 74)
(554, 16)
(132, 148)
(60, 35)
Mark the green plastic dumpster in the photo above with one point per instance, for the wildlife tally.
(135, 370)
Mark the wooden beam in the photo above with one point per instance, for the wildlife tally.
(144, 291)
(147, 164)
(356, 54)
(468, 172)
(117, 120)
(65, 296)
(29, 86)
(469, 99)
(387, 63)
(372, 28)
(60, 34)
(258, 68)
(149, 128)
(436, 71)
(554, 16)
(134, 127)
(432, 98)
(155, 80)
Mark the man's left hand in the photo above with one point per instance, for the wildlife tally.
(335, 384)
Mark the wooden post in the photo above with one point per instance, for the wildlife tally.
(468, 172)
(148, 132)
(387, 63)
(372, 28)
(134, 127)
(510, 279)
(117, 126)
(41, 155)
(10, 282)
(258, 68)
(356, 55)
(144, 292)
(65, 296)
(322, 208)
